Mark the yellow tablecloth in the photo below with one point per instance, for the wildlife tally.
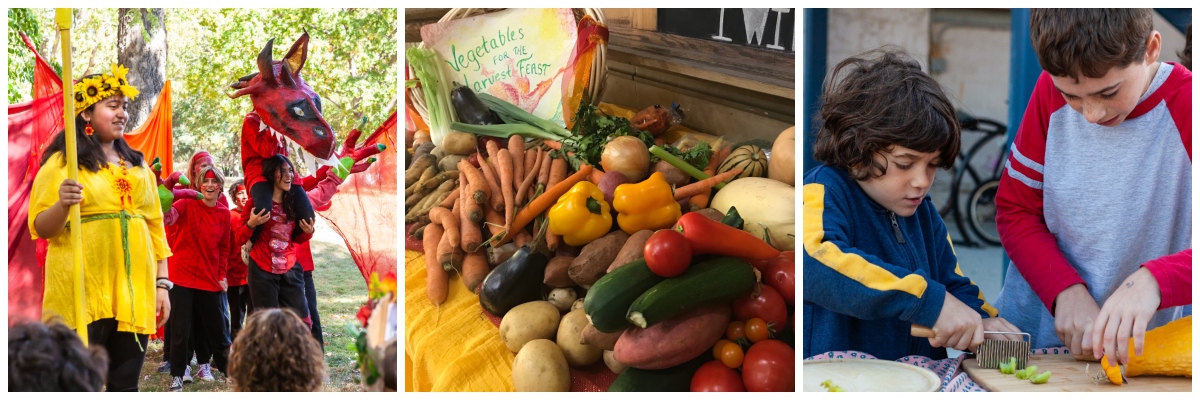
(454, 347)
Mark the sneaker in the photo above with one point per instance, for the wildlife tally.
(176, 384)
(204, 373)
(187, 374)
(164, 367)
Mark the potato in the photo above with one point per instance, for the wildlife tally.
(541, 367)
(569, 334)
(673, 175)
(632, 250)
(562, 298)
(609, 182)
(557, 272)
(578, 304)
(712, 213)
(605, 341)
(612, 363)
(594, 259)
(529, 321)
(460, 143)
(450, 162)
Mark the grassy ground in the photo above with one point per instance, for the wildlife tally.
(341, 290)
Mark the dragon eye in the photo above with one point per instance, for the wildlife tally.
(298, 111)
(302, 110)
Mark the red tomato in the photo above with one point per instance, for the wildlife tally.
(780, 274)
(768, 306)
(668, 253)
(770, 366)
(716, 377)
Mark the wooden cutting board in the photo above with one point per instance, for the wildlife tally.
(1069, 376)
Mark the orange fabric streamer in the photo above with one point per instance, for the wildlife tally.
(153, 138)
(579, 68)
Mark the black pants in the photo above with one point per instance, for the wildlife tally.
(192, 308)
(262, 192)
(269, 290)
(239, 304)
(126, 352)
(310, 294)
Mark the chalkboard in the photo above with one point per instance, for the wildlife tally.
(766, 28)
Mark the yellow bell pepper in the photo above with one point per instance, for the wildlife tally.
(581, 215)
(646, 205)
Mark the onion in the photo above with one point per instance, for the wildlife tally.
(627, 155)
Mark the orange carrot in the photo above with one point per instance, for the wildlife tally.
(445, 252)
(595, 176)
(544, 173)
(493, 149)
(494, 222)
(436, 281)
(449, 222)
(696, 188)
(495, 199)
(449, 201)
(558, 171)
(529, 157)
(474, 269)
(516, 149)
(504, 165)
(701, 200)
(523, 188)
(553, 144)
(480, 191)
(522, 238)
(543, 202)
(472, 238)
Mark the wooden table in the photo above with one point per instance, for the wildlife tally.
(1070, 375)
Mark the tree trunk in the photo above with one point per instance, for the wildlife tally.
(142, 47)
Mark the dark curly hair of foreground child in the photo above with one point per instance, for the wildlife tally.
(51, 358)
(275, 352)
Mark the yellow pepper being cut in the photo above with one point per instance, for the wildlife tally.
(646, 205)
(581, 215)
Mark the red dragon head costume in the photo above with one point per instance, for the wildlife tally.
(284, 102)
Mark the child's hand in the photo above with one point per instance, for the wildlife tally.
(258, 218)
(998, 324)
(307, 226)
(1125, 313)
(69, 193)
(958, 326)
(1074, 313)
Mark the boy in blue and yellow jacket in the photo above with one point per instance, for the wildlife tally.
(877, 257)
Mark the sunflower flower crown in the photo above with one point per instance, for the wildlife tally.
(92, 90)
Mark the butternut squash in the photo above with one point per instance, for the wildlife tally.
(1167, 352)
(782, 164)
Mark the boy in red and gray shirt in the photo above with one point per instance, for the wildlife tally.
(1096, 194)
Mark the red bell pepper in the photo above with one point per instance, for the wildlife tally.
(712, 237)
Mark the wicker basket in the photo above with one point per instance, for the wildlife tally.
(599, 67)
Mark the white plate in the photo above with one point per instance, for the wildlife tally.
(859, 375)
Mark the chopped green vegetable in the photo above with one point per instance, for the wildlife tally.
(1040, 378)
(1008, 367)
(828, 385)
(1027, 372)
(427, 65)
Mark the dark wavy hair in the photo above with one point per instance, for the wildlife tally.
(1185, 55)
(91, 157)
(51, 358)
(1089, 41)
(879, 99)
(275, 164)
(275, 352)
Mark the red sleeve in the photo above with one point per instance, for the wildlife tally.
(243, 232)
(256, 142)
(1174, 275)
(172, 215)
(1179, 103)
(1020, 218)
(223, 247)
(323, 192)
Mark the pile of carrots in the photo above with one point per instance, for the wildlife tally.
(503, 196)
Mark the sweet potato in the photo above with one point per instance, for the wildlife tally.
(605, 341)
(674, 341)
(594, 259)
(556, 272)
(631, 250)
(711, 213)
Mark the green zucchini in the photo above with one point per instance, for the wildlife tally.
(717, 281)
(674, 379)
(607, 302)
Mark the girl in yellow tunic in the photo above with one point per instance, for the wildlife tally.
(124, 246)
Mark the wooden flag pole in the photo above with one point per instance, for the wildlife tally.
(62, 16)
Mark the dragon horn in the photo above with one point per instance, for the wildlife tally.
(285, 76)
(266, 71)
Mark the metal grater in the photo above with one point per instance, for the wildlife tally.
(993, 352)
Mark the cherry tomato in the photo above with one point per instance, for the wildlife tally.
(780, 274)
(770, 366)
(732, 356)
(668, 253)
(756, 330)
(735, 330)
(768, 305)
(714, 376)
(718, 347)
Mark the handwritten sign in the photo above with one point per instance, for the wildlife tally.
(518, 55)
(767, 28)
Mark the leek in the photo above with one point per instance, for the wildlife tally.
(427, 66)
(504, 130)
(511, 113)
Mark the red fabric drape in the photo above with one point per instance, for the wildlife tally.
(31, 125)
(364, 209)
(153, 138)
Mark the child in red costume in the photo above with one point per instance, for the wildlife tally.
(238, 293)
(274, 277)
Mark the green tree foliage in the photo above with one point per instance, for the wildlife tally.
(352, 64)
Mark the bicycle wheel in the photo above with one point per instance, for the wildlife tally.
(939, 191)
(981, 212)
